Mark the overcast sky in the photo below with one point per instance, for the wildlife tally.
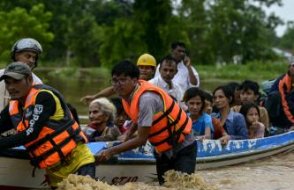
(286, 12)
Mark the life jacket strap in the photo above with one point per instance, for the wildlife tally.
(166, 113)
(56, 148)
(67, 126)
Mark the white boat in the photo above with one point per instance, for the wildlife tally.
(138, 164)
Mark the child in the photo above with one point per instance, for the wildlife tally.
(121, 120)
(251, 113)
(202, 123)
(218, 129)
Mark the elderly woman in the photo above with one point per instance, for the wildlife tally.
(101, 115)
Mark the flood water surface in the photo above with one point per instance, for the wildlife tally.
(274, 173)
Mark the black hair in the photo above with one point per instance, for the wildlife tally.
(168, 58)
(193, 92)
(126, 68)
(117, 102)
(208, 96)
(234, 86)
(246, 107)
(174, 45)
(227, 92)
(250, 85)
(74, 112)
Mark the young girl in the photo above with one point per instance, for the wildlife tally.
(251, 113)
(202, 123)
(121, 120)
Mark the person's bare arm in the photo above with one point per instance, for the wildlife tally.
(192, 77)
(106, 92)
(139, 140)
(129, 133)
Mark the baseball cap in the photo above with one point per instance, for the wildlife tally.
(16, 70)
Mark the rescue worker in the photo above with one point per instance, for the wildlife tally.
(158, 118)
(25, 50)
(45, 126)
(147, 66)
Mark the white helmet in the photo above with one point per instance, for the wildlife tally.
(26, 44)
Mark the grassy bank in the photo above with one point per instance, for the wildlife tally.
(258, 71)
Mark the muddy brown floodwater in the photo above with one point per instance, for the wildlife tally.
(274, 173)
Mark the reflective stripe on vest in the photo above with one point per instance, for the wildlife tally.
(168, 127)
(56, 139)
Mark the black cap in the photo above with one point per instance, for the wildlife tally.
(16, 70)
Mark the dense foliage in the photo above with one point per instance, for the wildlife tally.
(101, 32)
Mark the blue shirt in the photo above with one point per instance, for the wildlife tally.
(203, 122)
(235, 125)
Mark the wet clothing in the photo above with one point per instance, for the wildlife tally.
(184, 161)
(80, 161)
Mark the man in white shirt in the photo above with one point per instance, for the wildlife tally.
(168, 70)
(26, 50)
(187, 76)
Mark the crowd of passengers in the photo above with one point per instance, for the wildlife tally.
(214, 116)
(232, 111)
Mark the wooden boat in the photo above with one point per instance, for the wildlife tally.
(138, 164)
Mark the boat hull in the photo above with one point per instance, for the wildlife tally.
(139, 164)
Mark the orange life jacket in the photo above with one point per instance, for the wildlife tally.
(169, 127)
(285, 85)
(56, 139)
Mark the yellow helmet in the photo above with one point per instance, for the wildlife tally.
(146, 60)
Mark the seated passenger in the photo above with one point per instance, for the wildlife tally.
(121, 120)
(218, 129)
(202, 124)
(250, 94)
(251, 113)
(235, 88)
(101, 127)
(233, 122)
(280, 101)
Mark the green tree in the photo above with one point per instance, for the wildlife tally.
(286, 41)
(241, 28)
(19, 23)
(194, 24)
(84, 38)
